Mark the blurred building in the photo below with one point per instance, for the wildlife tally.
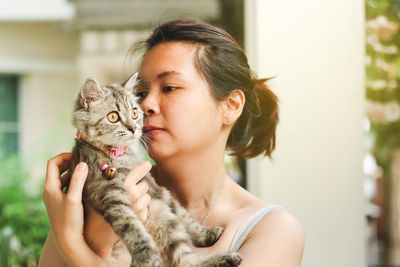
(314, 48)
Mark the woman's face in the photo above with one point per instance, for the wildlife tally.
(181, 115)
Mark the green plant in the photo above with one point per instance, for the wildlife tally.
(22, 214)
(383, 77)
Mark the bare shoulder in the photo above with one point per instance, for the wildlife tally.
(282, 224)
(277, 240)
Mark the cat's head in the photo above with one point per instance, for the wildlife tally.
(108, 115)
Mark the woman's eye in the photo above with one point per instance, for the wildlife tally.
(141, 94)
(113, 117)
(134, 113)
(169, 88)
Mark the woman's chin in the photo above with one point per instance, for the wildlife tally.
(157, 153)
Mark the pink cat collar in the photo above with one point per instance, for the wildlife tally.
(109, 151)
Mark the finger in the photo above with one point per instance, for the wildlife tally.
(78, 179)
(142, 203)
(135, 175)
(142, 187)
(137, 191)
(144, 210)
(65, 178)
(142, 216)
(55, 167)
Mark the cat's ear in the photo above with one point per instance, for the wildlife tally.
(90, 92)
(131, 83)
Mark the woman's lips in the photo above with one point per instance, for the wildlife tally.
(152, 130)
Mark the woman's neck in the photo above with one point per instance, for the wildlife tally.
(194, 180)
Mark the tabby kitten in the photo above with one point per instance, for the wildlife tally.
(109, 121)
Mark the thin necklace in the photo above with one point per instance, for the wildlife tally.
(215, 201)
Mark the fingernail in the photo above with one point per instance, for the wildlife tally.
(82, 167)
(148, 163)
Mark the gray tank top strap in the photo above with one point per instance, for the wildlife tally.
(248, 225)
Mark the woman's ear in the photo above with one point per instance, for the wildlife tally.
(232, 107)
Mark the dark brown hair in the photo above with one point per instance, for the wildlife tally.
(224, 65)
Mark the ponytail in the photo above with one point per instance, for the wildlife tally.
(254, 131)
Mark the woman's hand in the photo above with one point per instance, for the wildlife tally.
(65, 210)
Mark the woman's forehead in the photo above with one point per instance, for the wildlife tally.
(168, 58)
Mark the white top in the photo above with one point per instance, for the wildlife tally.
(248, 225)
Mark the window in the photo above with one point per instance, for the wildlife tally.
(8, 114)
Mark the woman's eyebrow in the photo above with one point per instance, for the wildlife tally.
(166, 73)
(159, 76)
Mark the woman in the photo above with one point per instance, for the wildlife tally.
(199, 97)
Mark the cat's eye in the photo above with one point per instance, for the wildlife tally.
(135, 113)
(113, 116)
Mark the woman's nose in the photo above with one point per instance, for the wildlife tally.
(150, 104)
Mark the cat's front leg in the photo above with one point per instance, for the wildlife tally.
(117, 211)
(201, 236)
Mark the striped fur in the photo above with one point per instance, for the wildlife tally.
(169, 234)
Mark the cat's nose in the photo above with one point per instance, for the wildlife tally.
(131, 129)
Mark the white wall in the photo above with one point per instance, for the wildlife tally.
(316, 50)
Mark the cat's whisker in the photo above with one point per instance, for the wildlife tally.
(145, 141)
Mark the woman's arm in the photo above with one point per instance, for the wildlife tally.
(277, 240)
(51, 255)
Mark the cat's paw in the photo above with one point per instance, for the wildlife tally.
(222, 259)
(213, 235)
(231, 259)
(206, 237)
